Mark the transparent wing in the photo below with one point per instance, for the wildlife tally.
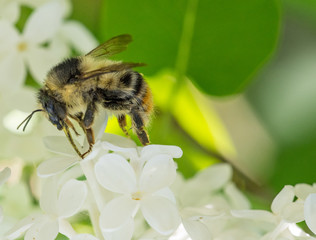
(109, 69)
(111, 47)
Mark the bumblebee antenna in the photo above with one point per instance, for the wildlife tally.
(28, 118)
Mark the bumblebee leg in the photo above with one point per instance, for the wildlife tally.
(138, 125)
(86, 124)
(91, 141)
(69, 124)
(89, 115)
(80, 122)
(68, 135)
(122, 122)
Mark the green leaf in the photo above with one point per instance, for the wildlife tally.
(219, 44)
(193, 112)
(232, 40)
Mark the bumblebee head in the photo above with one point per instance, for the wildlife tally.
(55, 110)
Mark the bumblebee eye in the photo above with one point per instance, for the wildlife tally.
(73, 78)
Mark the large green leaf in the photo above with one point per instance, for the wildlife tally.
(193, 112)
(219, 44)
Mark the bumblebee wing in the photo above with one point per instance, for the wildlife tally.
(110, 69)
(111, 47)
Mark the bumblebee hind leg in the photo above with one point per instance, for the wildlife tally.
(138, 126)
(122, 122)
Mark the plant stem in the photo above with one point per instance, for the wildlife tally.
(97, 200)
(94, 216)
(182, 58)
(184, 46)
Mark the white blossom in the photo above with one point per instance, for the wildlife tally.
(310, 212)
(146, 190)
(285, 211)
(46, 39)
(9, 10)
(56, 207)
(26, 50)
(4, 175)
(84, 237)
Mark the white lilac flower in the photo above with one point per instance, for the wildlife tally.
(76, 36)
(147, 190)
(46, 40)
(198, 190)
(310, 212)
(206, 198)
(27, 144)
(26, 50)
(84, 237)
(303, 190)
(9, 10)
(66, 155)
(56, 207)
(4, 175)
(285, 211)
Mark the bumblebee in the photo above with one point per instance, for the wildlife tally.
(81, 86)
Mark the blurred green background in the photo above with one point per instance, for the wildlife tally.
(253, 68)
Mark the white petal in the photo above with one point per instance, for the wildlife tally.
(119, 143)
(310, 212)
(117, 212)
(197, 230)
(55, 165)
(48, 199)
(65, 228)
(166, 193)
(236, 198)
(47, 230)
(114, 173)
(302, 190)
(43, 24)
(40, 60)
(159, 172)
(161, 214)
(9, 37)
(214, 177)
(293, 212)
(4, 175)
(10, 11)
(83, 237)
(71, 198)
(22, 226)
(152, 150)
(60, 145)
(125, 232)
(260, 215)
(99, 125)
(78, 36)
(58, 50)
(284, 197)
(13, 72)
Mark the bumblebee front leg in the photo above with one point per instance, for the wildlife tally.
(69, 124)
(68, 135)
(86, 125)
